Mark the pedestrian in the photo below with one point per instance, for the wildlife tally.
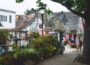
(78, 43)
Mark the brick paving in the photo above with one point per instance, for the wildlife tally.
(62, 59)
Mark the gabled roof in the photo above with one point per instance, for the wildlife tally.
(61, 16)
(22, 19)
(68, 19)
(25, 23)
(72, 18)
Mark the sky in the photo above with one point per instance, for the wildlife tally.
(20, 8)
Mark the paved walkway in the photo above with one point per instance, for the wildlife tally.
(64, 59)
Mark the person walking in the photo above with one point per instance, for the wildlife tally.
(78, 43)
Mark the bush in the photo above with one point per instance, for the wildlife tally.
(47, 45)
(34, 35)
(28, 53)
(6, 60)
(4, 34)
(40, 48)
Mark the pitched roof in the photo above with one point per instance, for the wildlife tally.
(73, 20)
(9, 11)
(21, 24)
(66, 16)
(68, 19)
(61, 16)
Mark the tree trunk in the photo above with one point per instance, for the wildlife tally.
(86, 42)
(86, 45)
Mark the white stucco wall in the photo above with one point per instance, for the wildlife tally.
(7, 24)
(34, 26)
(81, 28)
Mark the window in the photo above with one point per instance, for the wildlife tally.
(3, 18)
(10, 18)
(0, 18)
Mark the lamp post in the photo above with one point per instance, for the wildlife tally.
(59, 28)
(42, 16)
(42, 24)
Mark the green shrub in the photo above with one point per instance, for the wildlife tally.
(4, 34)
(4, 37)
(28, 53)
(41, 47)
(46, 45)
(34, 35)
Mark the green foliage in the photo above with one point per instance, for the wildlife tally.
(18, 1)
(4, 34)
(6, 60)
(77, 5)
(29, 12)
(41, 5)
(20, 55)
(48, 11)
(36, 42)
(27, 53)
(46, 45)
(34, 35)
(41, 47)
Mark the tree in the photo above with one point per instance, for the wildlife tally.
(28, 12)
(4, 37)
(80, 8)
(4, 34)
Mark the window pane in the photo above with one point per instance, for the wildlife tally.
(10, 19)
(0, 17)
(3, 18)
